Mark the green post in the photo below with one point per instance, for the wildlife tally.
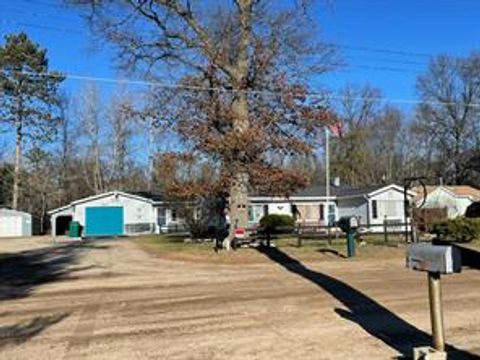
(385, 231)
(351, 243)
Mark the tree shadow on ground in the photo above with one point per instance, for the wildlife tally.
(21, 332)
(332, 252)
(373, 317)
(21, 272)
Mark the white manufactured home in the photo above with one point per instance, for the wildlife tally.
(373, 205)
(115, 213)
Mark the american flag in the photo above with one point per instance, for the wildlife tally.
(336, 129)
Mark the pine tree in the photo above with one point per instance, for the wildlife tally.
(30, 101)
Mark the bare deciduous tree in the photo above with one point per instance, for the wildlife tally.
(121, 131)
(254, 55)
(89, 117)
(450, 94)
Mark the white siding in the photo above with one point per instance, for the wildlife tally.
(135, 211)
(440, 198)
(390, 206)
(15, 223)
(280, 208)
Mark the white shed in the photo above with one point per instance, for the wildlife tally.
(15, 223)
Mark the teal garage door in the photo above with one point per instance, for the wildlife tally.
(104, 221)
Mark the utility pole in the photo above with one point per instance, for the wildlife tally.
(327, 174)
(150, 152)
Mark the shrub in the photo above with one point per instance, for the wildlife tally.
(275, 223)
(473, 210)
(460, 230)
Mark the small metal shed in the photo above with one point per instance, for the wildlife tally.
(15, 223)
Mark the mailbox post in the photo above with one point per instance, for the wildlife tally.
(349, 225)
(435, 260)
(436, 311)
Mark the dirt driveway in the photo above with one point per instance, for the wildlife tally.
(111, 300)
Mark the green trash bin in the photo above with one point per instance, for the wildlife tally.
(74, 229)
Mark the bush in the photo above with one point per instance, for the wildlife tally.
(461, 230)
(275, 223)
(473, 210)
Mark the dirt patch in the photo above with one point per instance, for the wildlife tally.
(124, 303)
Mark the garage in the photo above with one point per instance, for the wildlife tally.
(104, 221)
(15, 223)
(115, 213)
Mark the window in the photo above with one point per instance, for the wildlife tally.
(294, 211)
(374, 209)
(161, 217)
(174, 215)
(331, 215)
(322, 212)
(251, 217)
(265, 210)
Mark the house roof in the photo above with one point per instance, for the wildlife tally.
(319, 191)
(10, 212)
(456, 190)
(140, 195)
(339, 191)
(148, 195)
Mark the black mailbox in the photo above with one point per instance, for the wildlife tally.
(348, 223)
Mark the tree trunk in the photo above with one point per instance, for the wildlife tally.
(16, 170)
(238, 205)
(239, 188)
(97, 169)
(240, 182)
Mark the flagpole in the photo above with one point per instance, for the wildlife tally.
(327, 171)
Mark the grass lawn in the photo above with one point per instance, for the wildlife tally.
(175, 248)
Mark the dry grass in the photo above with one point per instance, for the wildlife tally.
(175, 248)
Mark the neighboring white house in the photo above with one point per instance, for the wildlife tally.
(455, 198)
(115, 213)
(371, 204)
(15, 223)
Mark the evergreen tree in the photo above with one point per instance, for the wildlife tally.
(30, 102)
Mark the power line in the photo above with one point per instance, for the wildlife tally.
(380, 50)
(42, 3)
(385, 68)
(42, 27)
(352, 47)
(314, 94)
(42, 15)
(393, 61)
(338, 64)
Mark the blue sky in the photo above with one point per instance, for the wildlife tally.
(387, 43)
